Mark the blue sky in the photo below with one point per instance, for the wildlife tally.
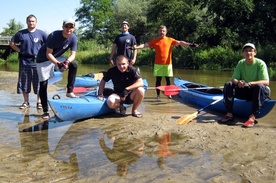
(49, 13)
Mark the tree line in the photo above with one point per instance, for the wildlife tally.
(221, 27)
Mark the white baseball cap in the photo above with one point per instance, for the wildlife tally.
(69, 21)
(249, 45)
(125, 22)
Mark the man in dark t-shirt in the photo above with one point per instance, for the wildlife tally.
(30, 40)
(49, 58)
(128, 86)
(122, 42)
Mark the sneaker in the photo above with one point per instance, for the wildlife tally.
(24, 105)
(226, 119)
(249, 123)
(71, 95)
(169, 96)
(46, 115)
(158, 97)
(38, 105)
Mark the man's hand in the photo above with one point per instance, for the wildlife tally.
(60, 65)
(243, 84)
(66, 64)
(131, 47)
(111, 62)
(101, 97)
(124, 94)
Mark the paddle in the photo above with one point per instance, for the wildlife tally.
(174, 90)
(185, 119)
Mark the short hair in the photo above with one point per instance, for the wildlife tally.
(30, 16)
(121, 57)
(163, 27)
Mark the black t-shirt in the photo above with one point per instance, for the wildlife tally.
(121, 80)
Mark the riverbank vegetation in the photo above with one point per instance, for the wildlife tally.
(220, 27)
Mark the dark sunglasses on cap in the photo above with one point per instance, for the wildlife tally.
(69, 26)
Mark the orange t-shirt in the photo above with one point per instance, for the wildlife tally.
(163, 49)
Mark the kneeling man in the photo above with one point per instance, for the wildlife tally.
(128, 86)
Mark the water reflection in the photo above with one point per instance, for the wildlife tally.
(124, 152)
(163, 146)
(164, 149)
(33, 140)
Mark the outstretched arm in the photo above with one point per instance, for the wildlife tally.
(141, 46)
(186, 44)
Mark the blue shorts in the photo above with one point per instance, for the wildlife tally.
(26, 78)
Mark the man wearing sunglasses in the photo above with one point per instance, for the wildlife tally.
(50, 58)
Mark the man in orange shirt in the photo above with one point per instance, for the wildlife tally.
(163, 55)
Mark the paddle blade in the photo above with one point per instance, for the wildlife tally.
(167, 93)
(80, 89)
(169, 90)
(185, 119)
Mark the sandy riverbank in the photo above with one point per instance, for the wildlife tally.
(244, 155)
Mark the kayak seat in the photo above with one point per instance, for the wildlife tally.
(89, 75)
(193, 85)
(214, 91)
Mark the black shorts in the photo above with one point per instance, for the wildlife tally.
(109, 91)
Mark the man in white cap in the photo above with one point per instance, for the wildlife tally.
(121, 44)
(250, 81)
(50, 58)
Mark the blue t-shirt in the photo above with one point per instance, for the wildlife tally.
(30, 43)
(59, 44)
(122, 41)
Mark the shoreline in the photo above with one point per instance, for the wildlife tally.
(243, 155)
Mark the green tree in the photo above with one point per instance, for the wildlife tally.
(135, 12)
(95, 19)
(262, 26)
(13, 27)
(179, 16)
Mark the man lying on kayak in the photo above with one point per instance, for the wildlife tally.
(128, 86)
(250, 81)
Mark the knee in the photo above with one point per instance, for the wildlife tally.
(73, 64)
(140, 91)
(113, 101)
(228, 84)
(260, 86)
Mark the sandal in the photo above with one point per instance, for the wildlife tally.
(137, 115)
(46, 115)
(123, 112)
(38, 105)
(24, 105)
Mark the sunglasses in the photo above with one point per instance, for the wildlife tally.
(68, 27)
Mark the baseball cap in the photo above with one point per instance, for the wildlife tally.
(125, 22)
(249, 45)
(69, 21)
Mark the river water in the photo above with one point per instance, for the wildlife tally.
(79, 151)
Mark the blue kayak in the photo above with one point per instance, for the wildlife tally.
(87, 106)
(88, 80)
(56, 78)
(204, 97)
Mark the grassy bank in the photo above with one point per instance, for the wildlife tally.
(217, 58)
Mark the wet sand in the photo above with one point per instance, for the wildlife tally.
(205, 150)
